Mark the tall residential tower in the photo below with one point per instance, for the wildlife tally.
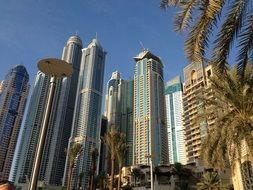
(150, 130)
(53, 161)
(195, 130)
(13, 99)
(87, 117)
(174, 105)
(119, 109)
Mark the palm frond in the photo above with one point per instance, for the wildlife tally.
(198, 38)
(232, 104)
(245, 43)
(164, 4)
(184, 17)
(229, 31)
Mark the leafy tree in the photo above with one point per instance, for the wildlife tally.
(200, 18)
(211, 181)
(73, 154)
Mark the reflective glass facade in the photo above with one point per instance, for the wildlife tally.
(87, 117)
(14, 92)
(119, 109)
(53, 161)
(174, 105)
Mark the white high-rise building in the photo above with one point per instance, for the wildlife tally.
(174, 105)
(150, 131)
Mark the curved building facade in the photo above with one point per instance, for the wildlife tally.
(13, 99)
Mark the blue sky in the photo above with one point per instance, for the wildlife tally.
(35, 29)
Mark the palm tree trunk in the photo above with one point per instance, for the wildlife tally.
(71, 166)
(93, 177)
(112, 172)
(92, 182)
(120, 173)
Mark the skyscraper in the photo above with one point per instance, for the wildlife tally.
(53, 161)
(119, 109)
(87, 117)
(126, 116)
(150, 130)
(174, 105)
(13, 99)
(62, 118)
(112, 99)
(195, 130)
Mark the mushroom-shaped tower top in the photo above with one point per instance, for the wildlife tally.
(75, 39)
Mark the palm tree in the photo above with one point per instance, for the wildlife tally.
(232, 106)
(111, 139)
(94, 157)
(199, 18)
(122, 148)
(211, 181)
(73, 154)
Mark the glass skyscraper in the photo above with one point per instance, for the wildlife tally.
(53, 161)
(87, 117)
(174, 105)
(119, 109)
(14, 92)
(150, 130)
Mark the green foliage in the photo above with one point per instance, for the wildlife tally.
(234, 20)
(117, 147)
(111, 139)
(75, 149)
(232, 106)
(73, 154)
(211, 181)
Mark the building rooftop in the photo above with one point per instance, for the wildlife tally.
(146, 54)
(75, 39)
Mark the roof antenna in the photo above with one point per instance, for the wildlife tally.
(96, 35)
(76, 33)
(143, 48)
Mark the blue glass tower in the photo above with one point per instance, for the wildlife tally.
(119, 110)
(14, 94)
(59, 130)
(87, 116)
